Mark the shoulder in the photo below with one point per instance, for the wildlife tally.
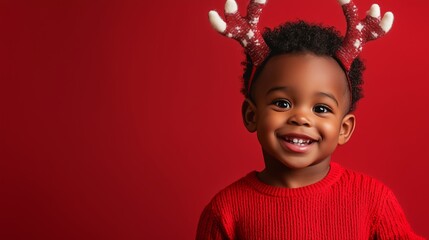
(364, 190)
(224, 206)
(362, 182)
(387, 216)
(234, 192)
(218, 219)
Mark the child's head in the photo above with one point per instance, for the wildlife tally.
(301, 81)
(300, 37)
(299, 109)
(299, 104)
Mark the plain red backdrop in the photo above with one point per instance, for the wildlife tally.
(121, 119)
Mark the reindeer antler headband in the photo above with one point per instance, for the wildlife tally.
(245, 30)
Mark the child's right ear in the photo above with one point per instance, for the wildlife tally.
(248, 112)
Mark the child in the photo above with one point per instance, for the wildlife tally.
(302, 83)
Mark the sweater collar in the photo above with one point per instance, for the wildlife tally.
(332, 177)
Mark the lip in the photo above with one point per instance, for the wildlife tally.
(305, 146)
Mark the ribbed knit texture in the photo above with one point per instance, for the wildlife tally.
(344, 205)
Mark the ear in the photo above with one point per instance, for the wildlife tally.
(248, 112)
(347, 127)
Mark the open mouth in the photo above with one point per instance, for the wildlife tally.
(299, 141)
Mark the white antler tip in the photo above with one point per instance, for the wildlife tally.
(261, 1)
(216, 21)
(374, 11)
(387, 21)
(231, 6)
(342, 2)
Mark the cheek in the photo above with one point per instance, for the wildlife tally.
(270, 120)
(330, 128)
(267, 125)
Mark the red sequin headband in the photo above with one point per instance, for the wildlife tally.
(245, 31)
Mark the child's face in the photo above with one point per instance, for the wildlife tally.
(299, 109)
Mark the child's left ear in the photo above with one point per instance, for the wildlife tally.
(347, 127)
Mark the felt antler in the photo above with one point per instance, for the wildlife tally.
(361, 31)
(243, 29)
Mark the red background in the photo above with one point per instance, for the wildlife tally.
(121, 119)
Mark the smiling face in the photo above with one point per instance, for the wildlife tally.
(299, 110)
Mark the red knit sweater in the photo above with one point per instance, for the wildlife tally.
(344, 205)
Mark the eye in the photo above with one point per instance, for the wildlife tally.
(282, 104)
(322, 109)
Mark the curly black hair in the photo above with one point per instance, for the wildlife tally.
(300, 36)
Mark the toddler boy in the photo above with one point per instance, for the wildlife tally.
(301, 84)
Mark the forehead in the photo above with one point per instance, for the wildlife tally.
(305, 72)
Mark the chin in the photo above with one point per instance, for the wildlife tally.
(297, 163)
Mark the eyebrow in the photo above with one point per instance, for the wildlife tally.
(284, 89)
(329, 96)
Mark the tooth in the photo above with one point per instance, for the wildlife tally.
(301, 141)
(295, 140)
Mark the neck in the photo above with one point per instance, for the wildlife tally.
(279, 175)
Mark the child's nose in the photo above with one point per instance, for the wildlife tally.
(299, 117)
